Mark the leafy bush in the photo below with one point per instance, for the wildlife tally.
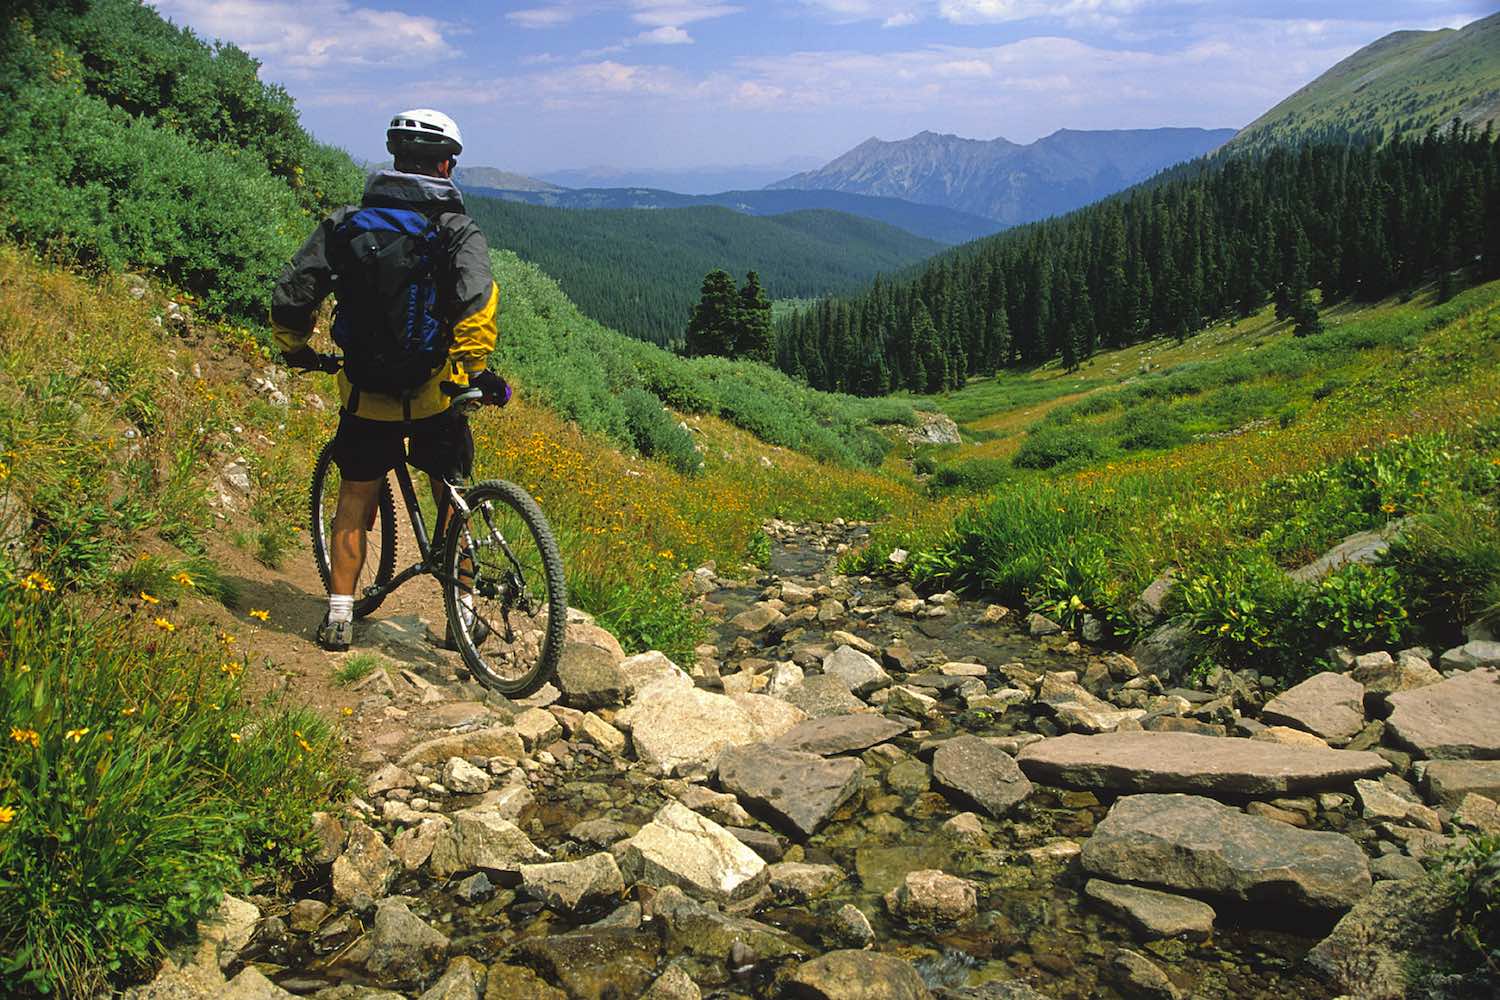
(656, 434)
(973, 475)
(1151, 426)
(1244, 609)
(1449, 562)
(1472, 870)
(133, 789)
(1048, 447)
(1357, 605)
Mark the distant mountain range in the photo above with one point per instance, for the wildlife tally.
(683, 180)
(1402, 84)
(944, 225)
(1005, 181)
(490, 177)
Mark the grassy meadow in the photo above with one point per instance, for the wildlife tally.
(1233, 456)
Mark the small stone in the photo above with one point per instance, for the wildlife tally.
(858, 671)
(800, 883)
(858, 975)
(673, 984)
(981, 774)
(462, 777)
(758, 618)
(402, 946)
(566, 885)
(307, 914)
(367, 867)
(850, 928)
(932, 898)
(538, 727)
(679, 847)
(592, 729)
(1328, 705)
(1040, 625)
(1478, 812)
(1140, 977)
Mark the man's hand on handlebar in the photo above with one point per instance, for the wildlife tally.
(308, 360)
(485, 388)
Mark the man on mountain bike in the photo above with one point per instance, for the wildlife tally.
(409, 234)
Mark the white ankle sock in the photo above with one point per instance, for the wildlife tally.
(466, 610)
(341, 607)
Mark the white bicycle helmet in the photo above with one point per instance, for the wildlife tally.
(423, 131)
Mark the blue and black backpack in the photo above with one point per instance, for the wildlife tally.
(390, 320)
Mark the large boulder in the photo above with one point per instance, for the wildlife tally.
(701, 929)
(1454, 720)
(857, 975)
(1475, 653)
(590, 676)
(1194, 844)
(482, 838)
(645, 669)
(772, 717)
(838, 734)
(367, 867)
(681, 730)
(679, 847)
(1447, 782)
(796, 791)
(1374, 948)
(1328, 705)
(402, 946)
(1166, 651)
(980, 774)
(497, 741)
(858, 671)
(1360, 547)
(823, 695)
(1186, 762)
(567, 885)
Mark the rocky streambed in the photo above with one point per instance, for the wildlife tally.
(856, 791)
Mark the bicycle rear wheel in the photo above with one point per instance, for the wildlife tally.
(380, 538)
(503, 589)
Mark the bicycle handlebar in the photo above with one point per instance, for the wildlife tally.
(465, 398)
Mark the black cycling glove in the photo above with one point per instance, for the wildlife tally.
(496, 390)
(303, 357)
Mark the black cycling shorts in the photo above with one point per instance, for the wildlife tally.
(366, 449)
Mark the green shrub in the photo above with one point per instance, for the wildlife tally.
(1047, 447)
(1154, 425)
(973, 475)
(656, 434)
(1472, 872)
(133, 789)
(642, 616)
(1244, 609)
(1449, 562)
(1356, 605)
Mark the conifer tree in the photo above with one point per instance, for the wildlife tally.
(753, 336)
(711, 326)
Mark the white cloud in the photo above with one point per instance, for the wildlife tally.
(665, 35)
(999, 11)
(551, 16)
(308, 35)
(901, 20)
(655, 13)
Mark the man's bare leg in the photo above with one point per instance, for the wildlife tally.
(346, 558)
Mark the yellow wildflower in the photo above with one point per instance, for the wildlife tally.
(235, 737)
(259, 613)
(76, 735)
(347, 711)
(149, 599)
(128, 712)
(7, 813)
(36, 580)
(26, 736)
(183, 579)
(165, 625)
(232, 669)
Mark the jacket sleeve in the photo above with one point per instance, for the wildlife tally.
(476, 301)
(304, 283)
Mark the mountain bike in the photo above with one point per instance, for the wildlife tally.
(498, 564)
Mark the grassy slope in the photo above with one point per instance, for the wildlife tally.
(1260, 450)
(640, 271)
(1399, 85)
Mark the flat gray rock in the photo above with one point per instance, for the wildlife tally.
(1454, 720)
(1476, 653)
(1194, 844)
(980, 774)
(1361, 547)
(859, 671)
(1328, 705)
(1186, 762)
(1446, 782)
(822, 695)
(1153, 914)
(838, 734)
(796, 791)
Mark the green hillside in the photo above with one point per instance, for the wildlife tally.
(640, 271)
(1401, 85)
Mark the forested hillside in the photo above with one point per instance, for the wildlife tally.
(933, 222)
(1400, 85)
(639, 272)
(129, 142)
(1167, 258)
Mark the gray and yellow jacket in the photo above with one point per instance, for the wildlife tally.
(472, 298)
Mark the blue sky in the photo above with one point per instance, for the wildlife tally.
(554, 84)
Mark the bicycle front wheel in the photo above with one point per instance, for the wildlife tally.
(380, 536)
(503, 590)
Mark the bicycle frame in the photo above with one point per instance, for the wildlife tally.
(428, 564)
